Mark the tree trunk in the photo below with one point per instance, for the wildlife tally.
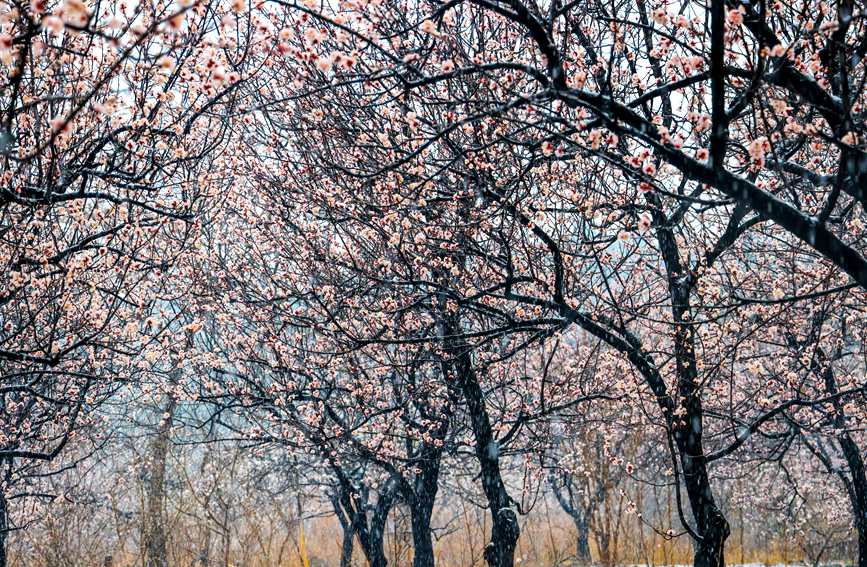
(582, 544)
(422, 542)
(346, 549)
(154, 531)
(710, 522)
(370, 532)
(422, 502)
(857, 490)
(577, 514)
(500, 552)
(346, 527)
(688, 429)
(861, 521)
(376, 538)
(711, 525)
(857, 484)
(4, 526)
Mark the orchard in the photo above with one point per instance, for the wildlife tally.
(433, 283)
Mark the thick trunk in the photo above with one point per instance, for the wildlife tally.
(710, 523)
(376, 540)
(4, 528)
(856, 484)
(860, 510)
(566, 498)
(500, 552)
(370, 532)
(422, 542)
(348, 533)
(346, 549)
(582, 544)
(862, 538)
(857, 492)
(376, 552)
(582, 537)
(422, 501)
(154, 531)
